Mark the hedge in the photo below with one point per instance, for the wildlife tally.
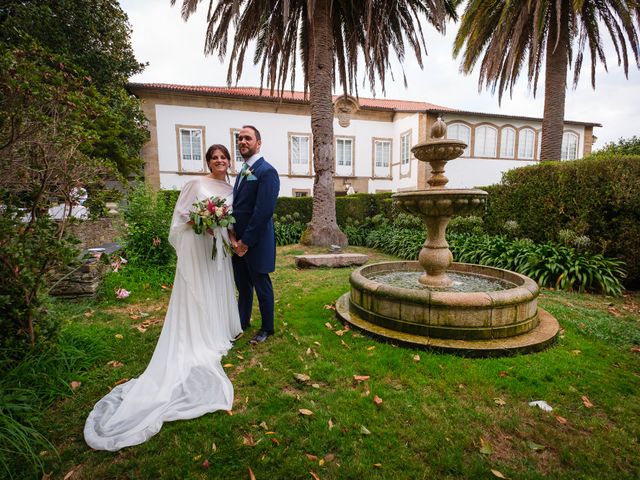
(597, 197)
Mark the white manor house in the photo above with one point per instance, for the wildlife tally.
(373, 139)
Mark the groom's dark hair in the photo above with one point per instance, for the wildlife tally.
(258, 137)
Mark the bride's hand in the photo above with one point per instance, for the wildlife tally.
(211, 232)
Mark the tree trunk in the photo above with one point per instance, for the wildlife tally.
(555, 86)
(323, 229)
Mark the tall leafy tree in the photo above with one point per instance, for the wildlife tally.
(327, 37)
(93, 36)
(506, 35)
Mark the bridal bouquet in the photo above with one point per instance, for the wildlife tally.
(209, 214)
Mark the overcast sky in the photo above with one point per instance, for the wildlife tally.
(174, 51)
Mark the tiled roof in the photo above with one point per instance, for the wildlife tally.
(298, 97)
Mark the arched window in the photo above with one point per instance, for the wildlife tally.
(526, 145)
(485, 144)
(569, 146)
(508, 142)
(459, 131)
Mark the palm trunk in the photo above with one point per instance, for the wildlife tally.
(323, 229)
(555, 86)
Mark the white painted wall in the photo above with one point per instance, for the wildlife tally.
(465, 172)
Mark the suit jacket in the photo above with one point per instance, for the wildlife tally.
(254, 202)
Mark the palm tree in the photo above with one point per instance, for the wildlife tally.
(506, 34)
(326, 36)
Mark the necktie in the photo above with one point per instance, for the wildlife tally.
(243, 170)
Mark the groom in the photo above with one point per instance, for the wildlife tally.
(254, 200)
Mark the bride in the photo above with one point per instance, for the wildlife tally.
(184, 378)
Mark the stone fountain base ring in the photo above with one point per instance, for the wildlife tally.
(535, 340)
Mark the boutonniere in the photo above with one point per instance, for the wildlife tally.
(248, 175)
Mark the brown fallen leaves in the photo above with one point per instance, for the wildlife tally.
(586, 402)
(377, 400)
(305, 411)
(115, 364)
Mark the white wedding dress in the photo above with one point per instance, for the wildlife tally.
(184, 378)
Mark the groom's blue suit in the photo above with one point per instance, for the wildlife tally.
(254, 201)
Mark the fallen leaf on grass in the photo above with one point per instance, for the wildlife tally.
(141, 328)
(214, 448)
(251, 475)
(340, 332)
(301, 377)
(329, 307)
(587, 403)
(361, 378)
(499, 401)
(330, 423)
(536, 447)
(345, 345)
(248, 440)
(315, 385)
(364, 430)
(416, 358)
(485, 447)
(264, 425)
(504, 374)
(377, 465)
(314, 475)
(166, 287)
(227, 365)
(121, 381)
(321, 462)
(275, 441)
(561, 420)
(311, 457)
(205, 464)
(329, 457)
(71, 472)
(305, 411)
(371, 347)
(75, 385)
(614, 311)
(498, 474)
(119, 336)
(634, 349)
(230, 412)
(115, 364)
(377, 400)
(329, 326)
(88, 313)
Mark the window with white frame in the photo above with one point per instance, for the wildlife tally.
(508, 142)
(459, 131)
(300, 153)
(569, 146)
(344, 156)
(235, 151)
(191, 155)
(382, 153)
(405, 152)
(485, 144)
(526, 144)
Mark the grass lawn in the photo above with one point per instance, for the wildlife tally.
(418, 415)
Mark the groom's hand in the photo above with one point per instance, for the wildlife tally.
(241, 248)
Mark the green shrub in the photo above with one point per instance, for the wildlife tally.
(550, 265)
(288, 229)
(148, 218)
(469, 224)
(596, 198)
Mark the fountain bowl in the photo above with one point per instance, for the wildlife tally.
(476, 323)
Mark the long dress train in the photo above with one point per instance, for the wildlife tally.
(184, 378)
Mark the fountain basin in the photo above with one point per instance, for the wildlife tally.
(498, 322)
(441, 202)
(446, 314)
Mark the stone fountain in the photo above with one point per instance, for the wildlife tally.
(436, 303)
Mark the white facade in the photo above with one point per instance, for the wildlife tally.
(372, 153)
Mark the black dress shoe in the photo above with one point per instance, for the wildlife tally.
(260, 337)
